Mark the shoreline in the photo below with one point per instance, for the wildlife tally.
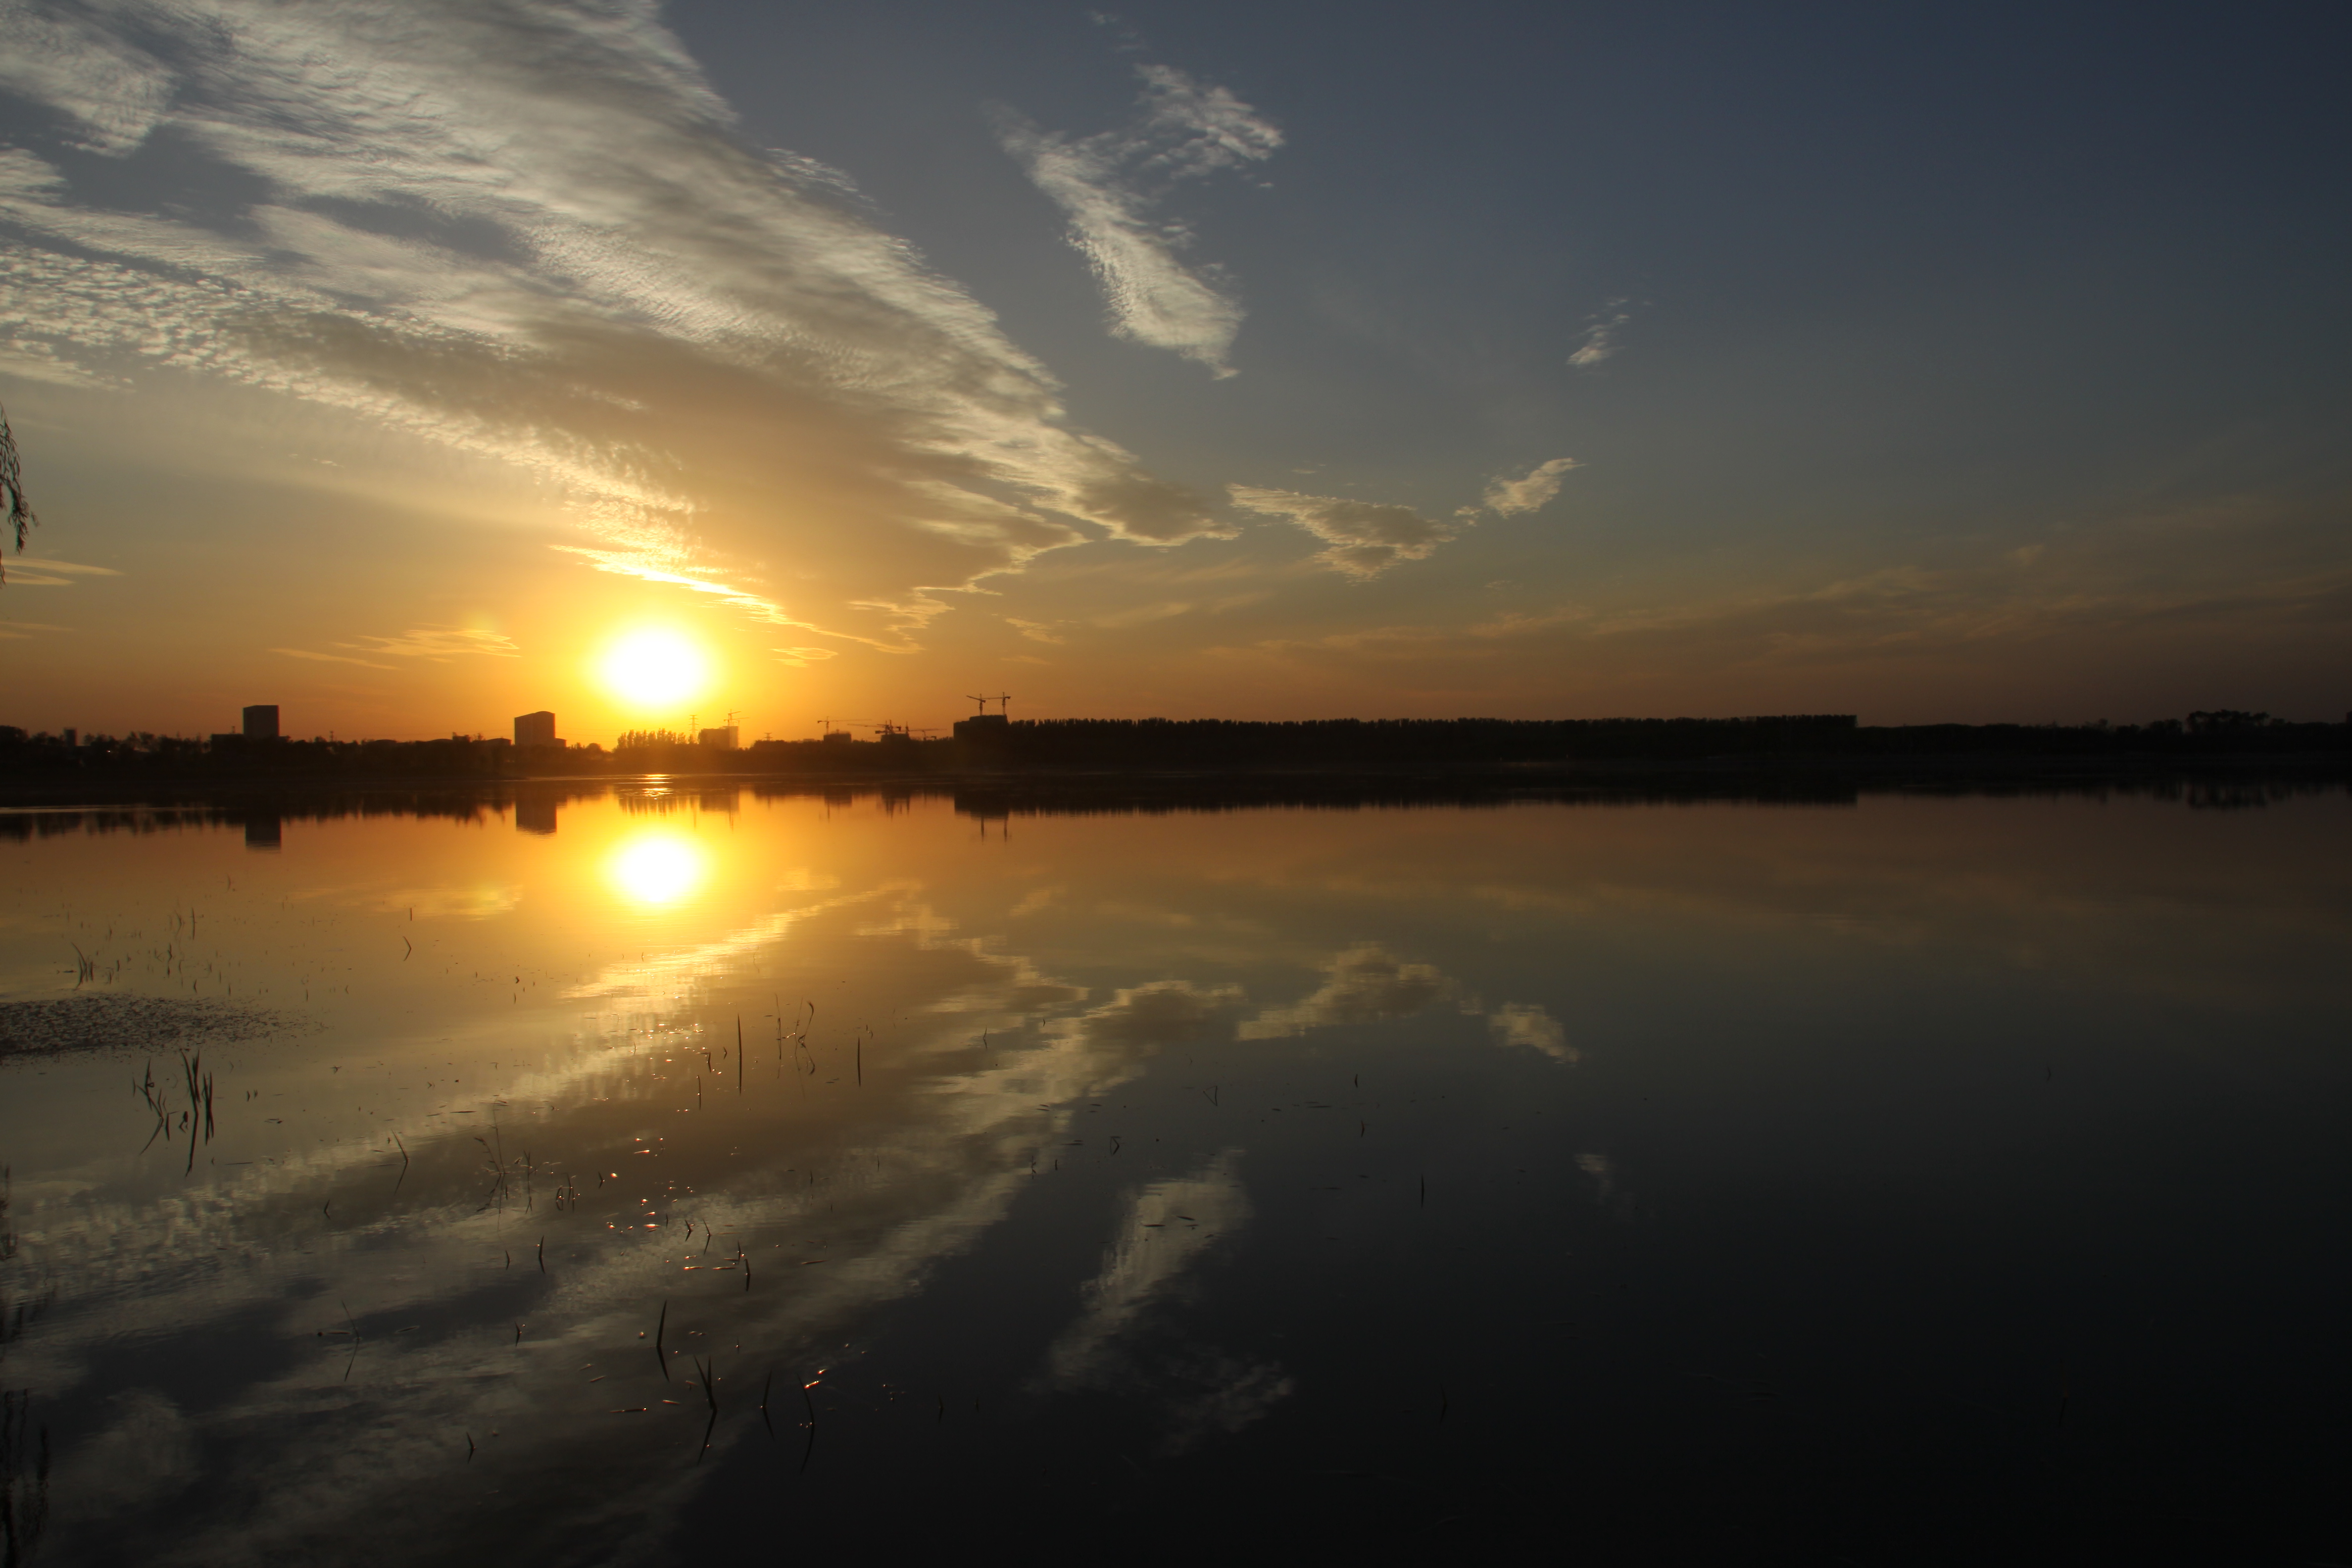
(1795, 776)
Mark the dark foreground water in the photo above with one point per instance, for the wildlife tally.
(656, 1177)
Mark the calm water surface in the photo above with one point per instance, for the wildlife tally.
(648, 1175)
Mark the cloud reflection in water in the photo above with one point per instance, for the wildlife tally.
(1021, 1124)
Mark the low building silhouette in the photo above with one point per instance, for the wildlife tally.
(983, 739)
(535, 729)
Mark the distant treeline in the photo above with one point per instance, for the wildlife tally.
(233, 757)
(1446, 744)
(1415, 744)
(53, 764)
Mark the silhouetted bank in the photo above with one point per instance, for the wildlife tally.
(1441, 745)
(1072, 749)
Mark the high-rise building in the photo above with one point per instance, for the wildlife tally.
(262, 721)
(724, 739)
(535, 729)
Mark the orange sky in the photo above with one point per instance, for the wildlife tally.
(372, 361)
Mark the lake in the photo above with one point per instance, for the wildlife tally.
(635, 1174)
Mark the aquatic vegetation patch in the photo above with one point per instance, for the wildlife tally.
(59, 1025)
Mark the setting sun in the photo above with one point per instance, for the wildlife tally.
(655, 668)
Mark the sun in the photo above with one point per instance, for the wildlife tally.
(655, 668)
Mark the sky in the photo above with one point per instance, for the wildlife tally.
(399, 361)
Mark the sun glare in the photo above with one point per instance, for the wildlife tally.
(655, 668)
(656, 868)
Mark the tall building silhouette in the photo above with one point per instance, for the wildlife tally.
(262, 721)
(535, 729)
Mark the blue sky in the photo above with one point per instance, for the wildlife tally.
(388, 360)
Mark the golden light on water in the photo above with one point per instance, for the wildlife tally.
(659, 867)
(654, 668)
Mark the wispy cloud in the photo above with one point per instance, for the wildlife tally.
(1510, 497)
(2143, 581)
(116, 92)
(1035, 631)
(530, 230)
(318, 658)
(439, 644)
(1601, 338)
(38, 571)
(1111, 185)
(1366, 538)
(442, 643)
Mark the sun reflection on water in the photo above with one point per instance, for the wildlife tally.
(658, 867)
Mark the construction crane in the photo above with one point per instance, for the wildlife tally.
(1004, 704)
(984, 701)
